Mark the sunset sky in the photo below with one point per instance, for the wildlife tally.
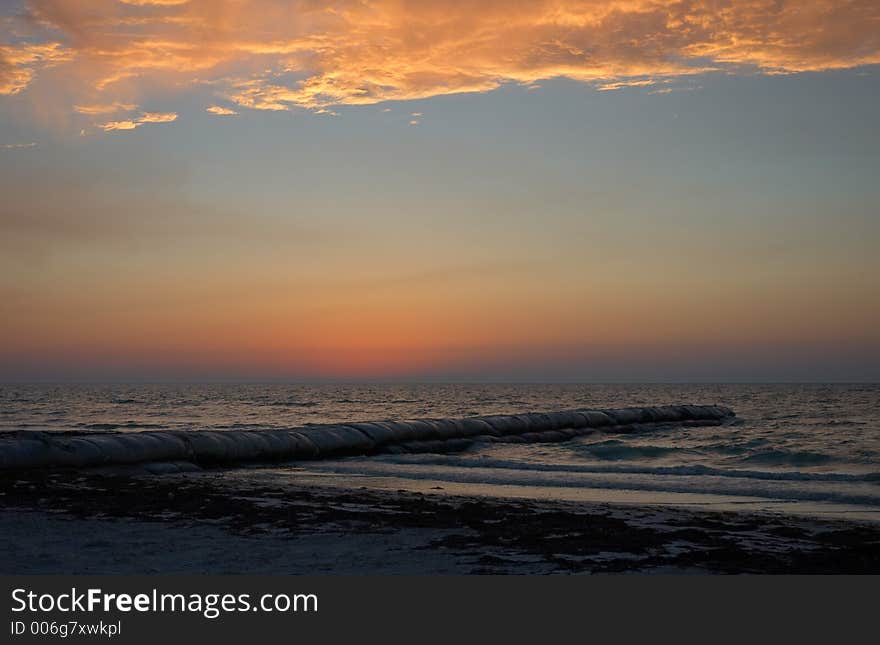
(503, 190)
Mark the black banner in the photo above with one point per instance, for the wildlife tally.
(244, 609)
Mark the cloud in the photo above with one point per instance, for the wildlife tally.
(605, 87)
(120, 125)
(146, 117)
(157, 117)
(282, 55)
(109, 108)
(670, 90)
(19, 63)
(221, 111)
(17, 146)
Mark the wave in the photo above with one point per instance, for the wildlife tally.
(292, 404)
(614, 450)
(736, 447)
(746, 454)
(690, 471)
(787, 458)
(528, 477)
(129, 425)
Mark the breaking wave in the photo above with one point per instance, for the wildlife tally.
(684, 471)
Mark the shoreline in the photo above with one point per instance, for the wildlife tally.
(228, 521)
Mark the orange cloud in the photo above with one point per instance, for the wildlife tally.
(120, 125)
(279, 54)
(157, 117)
(220, 111)
(19, 63)
(618, 85)
(146, 117)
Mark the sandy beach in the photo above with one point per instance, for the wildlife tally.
(236, 521)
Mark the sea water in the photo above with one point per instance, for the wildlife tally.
(808, 448)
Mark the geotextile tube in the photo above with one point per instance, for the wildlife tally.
(41, 450)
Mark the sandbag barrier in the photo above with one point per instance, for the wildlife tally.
(39, 450)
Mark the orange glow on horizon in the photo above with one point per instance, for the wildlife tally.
(290, 188)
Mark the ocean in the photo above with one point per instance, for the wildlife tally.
(809, 449)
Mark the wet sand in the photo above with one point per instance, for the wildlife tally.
(230, 521)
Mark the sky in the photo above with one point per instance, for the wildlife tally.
(439, 190)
